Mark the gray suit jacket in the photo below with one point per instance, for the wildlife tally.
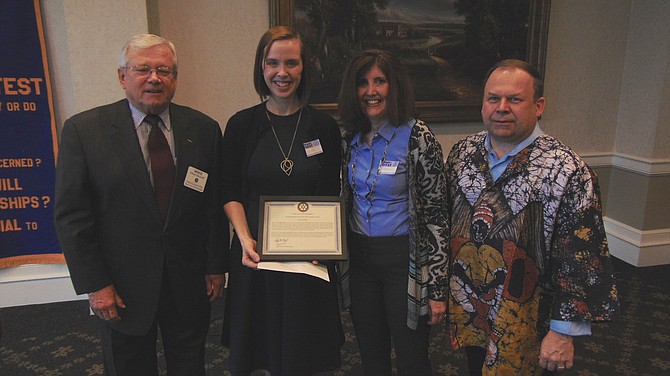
(108, 222)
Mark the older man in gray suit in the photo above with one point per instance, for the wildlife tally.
(139, 216)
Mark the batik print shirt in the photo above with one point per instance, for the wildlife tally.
(525, 249)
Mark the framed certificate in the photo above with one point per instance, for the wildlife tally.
(301, 228)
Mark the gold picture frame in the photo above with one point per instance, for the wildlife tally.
(283, 12)
(302, 228)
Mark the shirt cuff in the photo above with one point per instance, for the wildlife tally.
(571, 328)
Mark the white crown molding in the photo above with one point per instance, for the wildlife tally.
(638, 247)
(640, 165)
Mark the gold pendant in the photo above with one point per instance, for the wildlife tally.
(287, 166)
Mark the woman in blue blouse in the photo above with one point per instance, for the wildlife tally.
(396, 202)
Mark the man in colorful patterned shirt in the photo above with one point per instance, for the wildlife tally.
(529, 257)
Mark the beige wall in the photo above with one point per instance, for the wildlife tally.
(607, 76)
(585, 62)
(644, 110)
(83, 45)
(216, 43)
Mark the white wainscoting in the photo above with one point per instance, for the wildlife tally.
(639, 248)
(642, 166)
(636, 247)
(36, 284)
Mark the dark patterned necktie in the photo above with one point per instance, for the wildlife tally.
(162, 165)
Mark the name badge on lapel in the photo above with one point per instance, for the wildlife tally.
(313, 147)
(195, 179)
(388, 168)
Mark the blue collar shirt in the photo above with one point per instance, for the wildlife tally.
(380, 192)
(498, 165)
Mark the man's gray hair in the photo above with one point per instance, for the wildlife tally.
(142, 41)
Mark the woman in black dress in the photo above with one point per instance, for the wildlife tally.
(285, 323)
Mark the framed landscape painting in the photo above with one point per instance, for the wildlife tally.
(446, 45)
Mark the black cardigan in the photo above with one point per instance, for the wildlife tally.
(241, 138)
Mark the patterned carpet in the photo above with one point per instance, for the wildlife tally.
(61, 339)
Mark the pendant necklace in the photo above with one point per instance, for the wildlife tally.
(286, 164)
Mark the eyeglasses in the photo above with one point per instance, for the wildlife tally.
(145, 70)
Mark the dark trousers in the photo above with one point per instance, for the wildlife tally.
(183, 343)
(476, 356)
(379, 267)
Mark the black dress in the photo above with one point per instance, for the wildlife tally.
(286, 323)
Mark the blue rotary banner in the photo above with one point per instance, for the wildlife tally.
(28, 141)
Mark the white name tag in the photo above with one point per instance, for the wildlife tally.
(195, 179)
(388, 168)
(313, 147)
